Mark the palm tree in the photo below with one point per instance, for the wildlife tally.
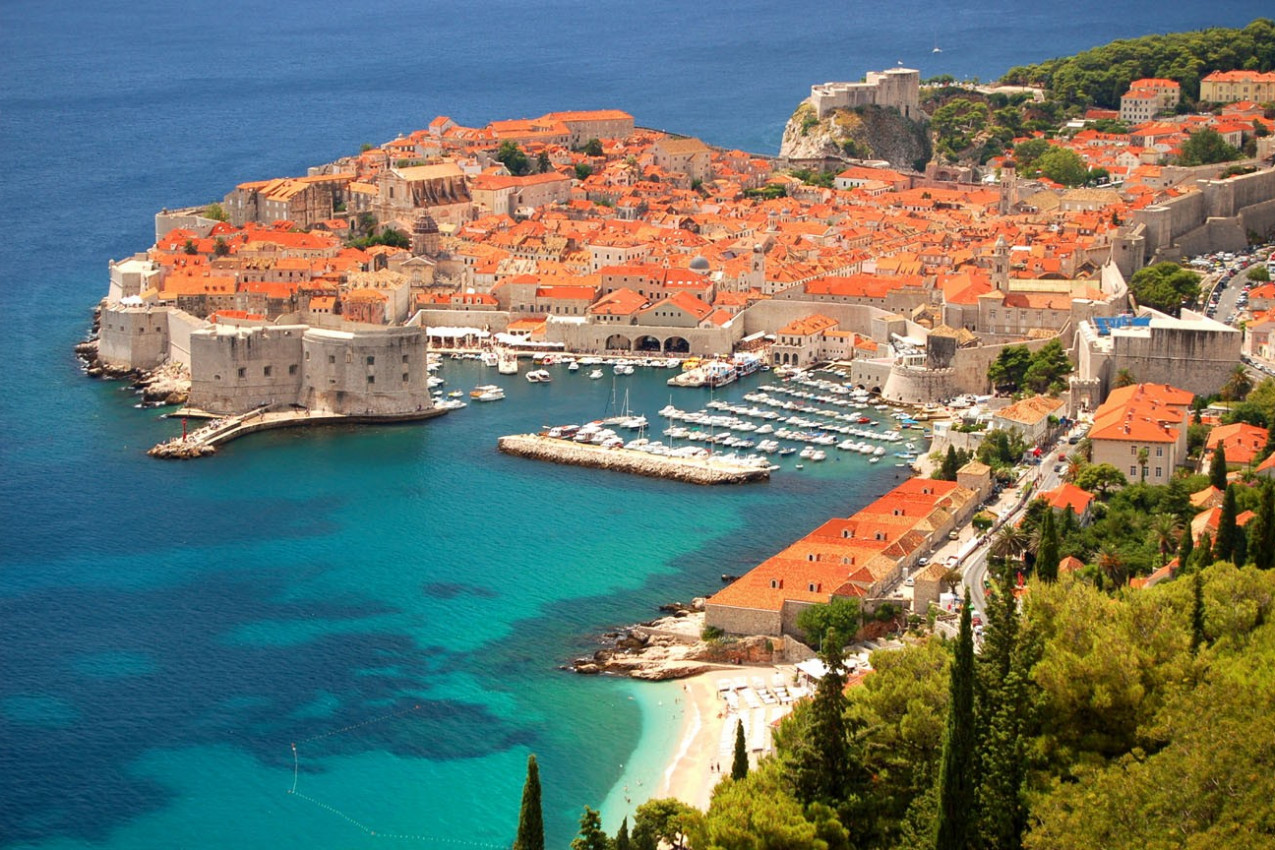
(1010, 542)
(1125, 378)
(1238, 385)
(1075, 464)
(1163, 529)
(1144, 455)
(1111, 562)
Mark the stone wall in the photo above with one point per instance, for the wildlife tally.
(1194, 359)
(180, 327)
(379, 372)
(234, 370)
(192, 218)
(133, 337)
(742, 621)
(1177, 227)
(597, 338)
(873, 322)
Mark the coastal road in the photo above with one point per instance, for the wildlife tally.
(1048, 475)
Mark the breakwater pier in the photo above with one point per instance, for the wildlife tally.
(222, 429)
(694, 470)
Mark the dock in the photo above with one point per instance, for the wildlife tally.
(700, 470)
(220, 430)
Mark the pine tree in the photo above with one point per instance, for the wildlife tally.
(531, 822)
(956, 772)
(1224, 548)
(1217, 470)
(591, 836)
(622, 837)
(1197, 612)
(739, 767)
(1047, 553)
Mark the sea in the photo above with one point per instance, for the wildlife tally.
(351, 637)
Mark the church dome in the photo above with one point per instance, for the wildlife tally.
(699, 264)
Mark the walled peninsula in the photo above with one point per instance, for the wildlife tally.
(580, 232)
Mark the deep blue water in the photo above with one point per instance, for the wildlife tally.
(392, 601)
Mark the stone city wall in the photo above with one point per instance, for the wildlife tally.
(180, 327)
(133, 337)
(1188, 358)
(380, 372)
(234, 370)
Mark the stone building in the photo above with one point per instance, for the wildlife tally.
(684, 156)
(1230, 86)
(897, 88)
(1141, 430)
(441, 189)
(1147, 98)
(1193, 352)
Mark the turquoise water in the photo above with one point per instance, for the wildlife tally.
(394, 601)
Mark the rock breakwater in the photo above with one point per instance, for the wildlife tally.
(692, 470)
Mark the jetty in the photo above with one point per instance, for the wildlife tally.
(219, 430)
(696, 470)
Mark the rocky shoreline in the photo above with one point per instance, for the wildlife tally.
(672, 647)
(164, 385)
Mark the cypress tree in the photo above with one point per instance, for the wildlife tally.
(1217, 469)
(1204, 552)
(999, 637)
(1262, 536)
(1047, 553)
(622, 837)
(1197, 612)
(1185, 547)
(956, 772)
(822, 764)
(1002, 809)
(1224, 548)
(739, 767)
(531, 822)
(947, 471)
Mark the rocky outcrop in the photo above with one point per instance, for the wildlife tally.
(865, 132)
(167, 384)
(672, 648)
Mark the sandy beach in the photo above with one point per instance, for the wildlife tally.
(706, 742)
